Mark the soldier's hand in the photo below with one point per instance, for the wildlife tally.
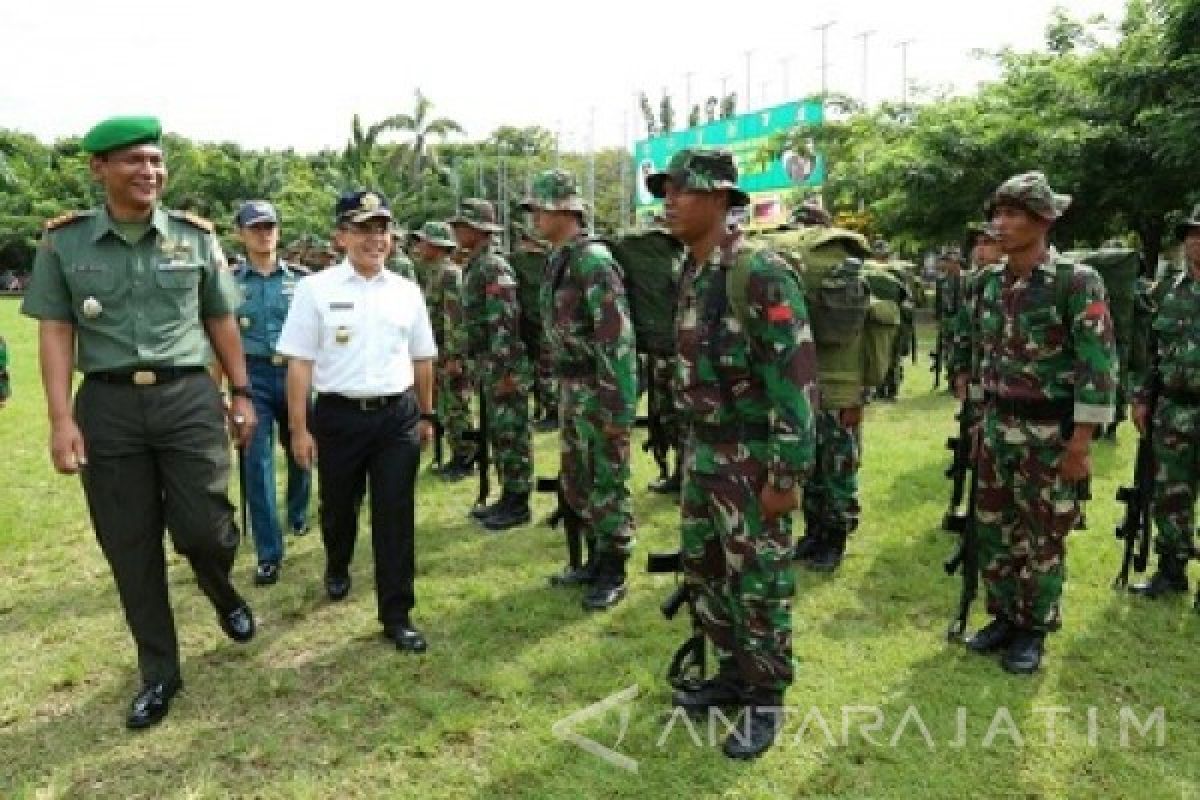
(776, 503)
(1140, 414)
(304, 449)
(851, 417)
(1076, 463)
(242, 420)
(66, 447)
(424, 433)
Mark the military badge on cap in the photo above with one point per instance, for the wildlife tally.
(341, 335)
(369, 202)
(91, 307)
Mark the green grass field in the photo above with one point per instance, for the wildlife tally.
(318, 705)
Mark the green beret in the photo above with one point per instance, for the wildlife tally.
(118, 132)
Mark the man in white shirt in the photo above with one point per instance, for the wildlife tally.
(360, 335)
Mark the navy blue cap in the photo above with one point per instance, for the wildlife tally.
(254, 212)
(361, 206)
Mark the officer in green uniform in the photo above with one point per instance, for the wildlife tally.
(267, 285)
(135, 296)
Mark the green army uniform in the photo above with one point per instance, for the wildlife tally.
(529, 261)
(1171, 382)
(399, 262)
(747, 389)
(442, 284)
(502, 368)
(948, 301)
(1043, 368)
(152, 419)
(590, 340)
(887, 284)
(5, 383)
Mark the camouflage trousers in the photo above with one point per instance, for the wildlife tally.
(831, 494)
(739, 565)
(454, 408)
(1025, 511)
(661, 405)
(595, 469)
(1176, 474)
(509, 431)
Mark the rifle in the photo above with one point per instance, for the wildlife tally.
(241, 468)
(912, 340)
(572, 524)
(935, 359)
(439, 430)
(689, 664)
(960, 465)
(483, 452)
(1134, 528)
(965, 559)
(656, 435)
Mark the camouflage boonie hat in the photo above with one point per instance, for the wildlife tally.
(696, 170)
(811, 214)
(477, 214)
(436, 233)
(1181, 230)
(1030, 191)
(554, 190)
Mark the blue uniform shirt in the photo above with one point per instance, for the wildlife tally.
(265, 300)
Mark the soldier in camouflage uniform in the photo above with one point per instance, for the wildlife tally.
(501, 364)
(442, 283)
(5, 385)
(1048, 371)
(399, 262)
(948, 292)
(962, 353)
(589, 336)
(545, 387)
(1173, 375)
(746, 383)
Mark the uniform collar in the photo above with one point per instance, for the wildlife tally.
(244, 269)
(347, 274)
(103, 223)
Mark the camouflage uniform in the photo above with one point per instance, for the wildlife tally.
(948, 296)
(747, 395)
(1173, 374)
(5, 386)
(545, 385)
(442, 283)
(1039, 373)
(399, 262)
(589, 336)
(502, 369)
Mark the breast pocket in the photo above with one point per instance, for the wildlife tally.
(177, 276)
(1043, 332)
(90, 279)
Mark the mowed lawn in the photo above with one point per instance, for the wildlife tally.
(319, 705)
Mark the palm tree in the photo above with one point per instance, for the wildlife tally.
(416, 155)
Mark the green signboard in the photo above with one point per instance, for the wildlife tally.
(767, 184)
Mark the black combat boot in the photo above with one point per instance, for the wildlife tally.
(578, 574)
(549, 422)
(813, 540)
(480, 513)
(1024, 656)
(829, 557)
(756, 727)
(609, 586)
(726, 688)
(993, 637)
(513, 510)
(1170, 578)
(459, 467)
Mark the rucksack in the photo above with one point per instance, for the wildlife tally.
(650, 260)
(1119, 268)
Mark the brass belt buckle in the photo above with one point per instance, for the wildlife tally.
(278, 360)
(144, 377)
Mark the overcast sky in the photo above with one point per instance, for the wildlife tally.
(265, 73)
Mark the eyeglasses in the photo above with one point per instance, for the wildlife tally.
(375, 226)
(262, 227)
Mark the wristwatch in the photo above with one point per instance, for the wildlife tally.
(240, 391)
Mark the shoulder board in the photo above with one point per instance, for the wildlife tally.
(66, 219)
(299, 269)
(195, 219)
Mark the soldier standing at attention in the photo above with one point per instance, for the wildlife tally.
(434, 242)
(747, 386)
(590, 338)
(360, 335)
(135, 296)
(1048, 370)
(268, 284)
(1174, 375)
(501, 364)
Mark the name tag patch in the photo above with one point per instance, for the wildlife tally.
(341, 306)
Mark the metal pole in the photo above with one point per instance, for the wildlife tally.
(824, 29)
(865, 35)
(749, 56)
(904, 70)
(592, 166)
(687, 76)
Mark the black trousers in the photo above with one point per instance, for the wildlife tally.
(380, 449)
(158, 457)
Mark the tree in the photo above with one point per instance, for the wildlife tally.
(666, 114)
(729, 105)
(420, 152)
(648, 114)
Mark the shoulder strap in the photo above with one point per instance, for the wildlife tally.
(1063, 271)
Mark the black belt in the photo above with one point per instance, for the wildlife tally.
(1182, 397)
(575, 369)
(146, 376)
(1034, 410)
(275, 360)
(730, 433)
(362, 403)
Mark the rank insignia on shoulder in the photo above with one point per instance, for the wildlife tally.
(61, 220)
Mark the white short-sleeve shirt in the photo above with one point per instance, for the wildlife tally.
(362, 334)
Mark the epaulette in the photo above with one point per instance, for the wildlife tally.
(65, 219)
(297, 267)
(195, 219)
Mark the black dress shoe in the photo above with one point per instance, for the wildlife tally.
(1024, 655)
(337, 586)
(993, 637)
(152, 703)
(721, 690)
(407, 638)
(754, 732)
(238, 624)
(266, 574)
